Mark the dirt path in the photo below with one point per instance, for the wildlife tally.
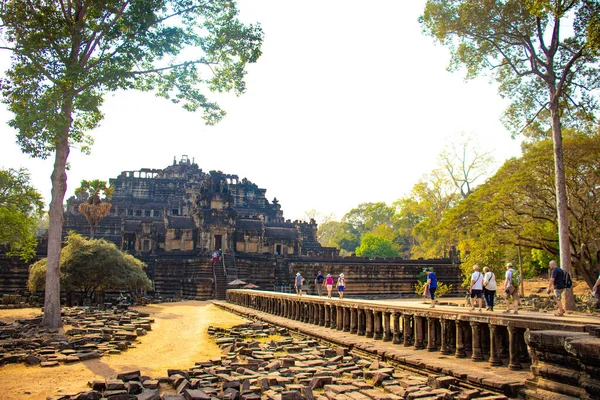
(178, 339)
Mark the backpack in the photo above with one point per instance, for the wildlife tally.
(515, 279)
(568, 281)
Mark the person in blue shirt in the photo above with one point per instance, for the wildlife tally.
(319, 283)
(431, 285)
(298, 283)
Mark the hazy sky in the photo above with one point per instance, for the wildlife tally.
(348, 104)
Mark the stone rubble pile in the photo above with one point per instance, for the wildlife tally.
(89, 334)
(265, 362)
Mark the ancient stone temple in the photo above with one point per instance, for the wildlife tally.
(174, 218)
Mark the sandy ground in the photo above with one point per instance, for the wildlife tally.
(178, 339)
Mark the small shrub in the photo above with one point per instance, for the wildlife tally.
(441, 290)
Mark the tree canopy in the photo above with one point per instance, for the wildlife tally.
(374, 246)
(67, 54)
(94, 208)
(516, 207)
(21, 207)
(93, 265)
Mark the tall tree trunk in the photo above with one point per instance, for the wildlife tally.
(51, 317)
(561, 201)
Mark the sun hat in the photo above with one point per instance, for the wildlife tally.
(328, 275)
(297, 273)
(427, 269)
(342, 275)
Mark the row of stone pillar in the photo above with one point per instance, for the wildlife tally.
(434, 331)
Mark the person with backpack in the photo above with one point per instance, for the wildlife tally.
(558, 280)
(476, 288)
(512, 280)
(489, 288)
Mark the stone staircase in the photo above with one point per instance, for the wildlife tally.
(220, 277)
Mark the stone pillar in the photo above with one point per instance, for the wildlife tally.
(346, 312)
(396, 324)
(418, 326)
(361, 322)
(495, 359)
(513, 345)
(332, 316)
(321, 315)
(431, 322)
(307, 314)
(339, 318)
(378, 327)
(446, 339)
(353, 320)
(406, 330)
(369, 323)
(460, 340)
(326, 317)
(477, 354)
(387, 329)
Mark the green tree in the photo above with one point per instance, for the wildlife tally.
(92, 265)
(21, 207)
(67, 54)
(94, 208)
(544, 55)
(374, 246)
(368, 216)
(341, 235)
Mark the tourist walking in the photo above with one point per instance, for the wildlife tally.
(215, 256)
(476, 289)
(298, 283)
(489, 288)
(431, 285)
(511, 288)
(557, 281)
(319, 283)
(329, 285)
(341, 285)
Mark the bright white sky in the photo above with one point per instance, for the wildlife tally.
(348, 104)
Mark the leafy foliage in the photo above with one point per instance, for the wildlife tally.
(21, 207)
(90, 265)
(442, 289)
(374, 246)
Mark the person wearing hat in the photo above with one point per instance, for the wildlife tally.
(329, 285)
(341, 285)
(431, 285)
(298, 283)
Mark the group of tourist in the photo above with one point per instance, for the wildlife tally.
(483, 286)
(322, 282)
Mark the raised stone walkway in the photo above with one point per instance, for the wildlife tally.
(401, 331)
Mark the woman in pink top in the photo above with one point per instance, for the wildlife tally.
(329, 284)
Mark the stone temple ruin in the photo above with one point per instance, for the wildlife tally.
(174, 218)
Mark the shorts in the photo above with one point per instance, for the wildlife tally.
(512, 291)
(329, 287)
(558, 294)
(432, 293)
(476, 293)
(299, 287)
(340, 288)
